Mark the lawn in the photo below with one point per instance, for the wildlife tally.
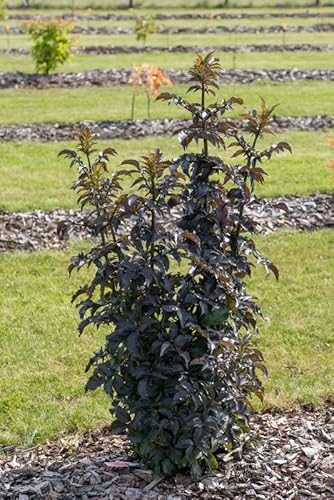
(41, 375)
(32, 177)
(200, 23)
(168, 4)
(161, 8)
(86, 62)
(163, 40)
(74, 105)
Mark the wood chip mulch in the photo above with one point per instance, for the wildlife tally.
(130, 129)
(117, 77)
(257, 47)
(287, 455)
(51, 230)
(119, 30)
(169, 16)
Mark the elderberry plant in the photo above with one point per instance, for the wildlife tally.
(179, 362)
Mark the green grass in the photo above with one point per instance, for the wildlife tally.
(86, 62)
(42, 364)
(73, 105)
(297, 338)
(41, 374)
(32, 177)
(163, 40)
(153, 5)
(53, 10)
(199, 23)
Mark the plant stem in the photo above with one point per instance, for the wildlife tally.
(148, 104)
(205, 142)
(103, 239)
(153, 221)
(133, 106)
(241, 210)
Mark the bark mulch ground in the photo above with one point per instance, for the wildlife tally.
(190, 16)
(130, 129)
(121, 49)
(104, 78)
(37, 230)
(287, 455)
(106, 30)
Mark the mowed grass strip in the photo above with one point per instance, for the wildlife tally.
(153, 6)
(16, 41)
(33, 177)
(33, 164)
(308, 98)
(87, 62)
(198, 23)
(42, 364)
(41, 374)
(160, 8)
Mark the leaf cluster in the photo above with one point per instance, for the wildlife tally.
(144, 26)
(52, 45)
(150, 77)
(180, 362)
(2, 10)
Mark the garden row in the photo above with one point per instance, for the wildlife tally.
(44, 230)
(114, 49)
(119, 77)
(105, 30)
(131, 129)
(173, 16)
(274, 469)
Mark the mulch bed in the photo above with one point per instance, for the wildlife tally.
(102, 78)
(287, 455)
(37, 230)
(121, 49)
(130, 129)
(120, 30)
(190, 16)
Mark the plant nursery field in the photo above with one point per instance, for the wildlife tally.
(283, 54)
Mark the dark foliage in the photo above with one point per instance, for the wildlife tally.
(179, 362)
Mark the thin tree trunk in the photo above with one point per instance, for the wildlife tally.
(130, 4)
(133, 106)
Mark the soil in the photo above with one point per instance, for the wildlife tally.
(287, 455)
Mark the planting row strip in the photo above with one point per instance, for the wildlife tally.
(128, 129)
(39, 229)
(190, 16)
(105, 30)
(118, 77)
(120, 49)
(288, 455)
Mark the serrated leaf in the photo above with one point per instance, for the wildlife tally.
(122, 415)
(110, 151)
(190, 236)
(165, 346)
(284, 145)
(212, 462)
(216, 318)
